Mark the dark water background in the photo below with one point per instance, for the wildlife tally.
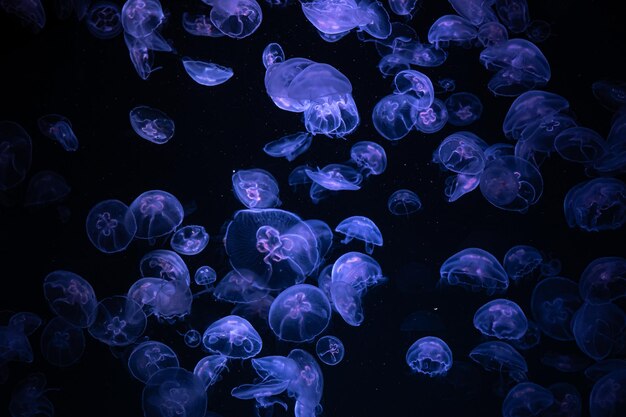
(221, 129)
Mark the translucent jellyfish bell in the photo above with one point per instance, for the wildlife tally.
(104, 20)
(59, 129)
(157, 213)
(554, 302)
(501, 318)
(430, 356)
(451, 29)
(462, 152)
(403, 202)
(15, 154)
(463, 109)
(528, 399)
(289, 146)
(418, 84)
(165, 264)
(236, 18)
(336, 177)
(189, 240)
(330, 350)
(596, 205)
(71, 297)
(140, 18)
(174, 391)
(233, 337)
(521, 260)
(604, 280)
(476, 270)
(119, 321)
(152, 124)
(370, 157)
(62, 343)
(500, 357)
(207, 73)
(110, 226)
(394, 115)
(148, 358)
(256, 188)
(273, 54)
(361, 228)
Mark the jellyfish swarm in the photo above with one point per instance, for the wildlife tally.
(430, 356)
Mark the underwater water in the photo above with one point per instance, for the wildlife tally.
(335, 208)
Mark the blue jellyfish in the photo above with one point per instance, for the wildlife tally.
(501, 318)
(498, 150)
(569, 363)
(59, 129)
(245, 287)
(324, 280)
(207, 73)
(521, 260)
(531, 338)
(476, 270)
(273, 54)
(402, 7)
(31, 13)
(299, 313)
(538, 31)
(336, 177)
(459, 185)
(256, 188)
(463, 109)
(604, 367)
(357, 269)
(298, 176)
(432, 119)
(492, 33)
(205, 275)
(608, 395)
(290, 146)
(596, 205)
(527, 399)
(611, 94)
(16, 150)
(104, 20)
(170, 299)
(165, 264)
(476, 11)
(361, 228)
(233, 337)
(209, 369)
(46, 187)
(553, 304)
(346, 300)
(110, 226)
(403, 202)
(324, 235)
(333, 18)
(394, 115)
(462, 153)
(330, 350)
(62, 343)
(28, 397)
(25, 322)
(430, 356)
(418, 84)
(192, 338)
(152, 124)
(189, 240)
(448, 85)
(580, 144)
(500, 357)
(157, 213)
(119, 321)
(147, 358)
(141, 57)
(370, 157)
(599, 329)
(140, 18)
(567, 400)
(528, 108)
(199, 24)
(603, 280)
(451, 29)
(71, 297)
(514, 14)
(275, 245)
(614, 159)
(236, 18)
(174, 391)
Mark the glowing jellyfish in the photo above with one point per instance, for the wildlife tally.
(15, 154)
(236, 18)
(361, 228)
(148, 358)
(62, 343)
(233, 337)
(476, 270)
(603, 280)
(189, 240)
(330, 350)
(432, 119)
(526, 399)
(521, 260)
(430, 356)
(290, 146)
(59, 129)
(403, 202)
(209, 369)
(501, 318)
(152, 124)
(119, 321)
(463, 109)
(394, 115)
(157, 213)
(110, 226)
(71, 297)
(370, 157)
(103, 20)
(207, 73)
(596, 205)
(174, 391)
(553, 303)
(256, 188)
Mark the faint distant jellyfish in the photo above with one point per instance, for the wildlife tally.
(198, 24)
(165, 264)
(608, 396)
(599, 329)
(142, 17)
(402, 7)
(119, 321)
(324, 235)
(62, 343)
(209, 369)
(25, 322)
(192, 338)
(531, 338)
(299, 313)
(290, 146)
(604, 367)
(330, 350)
(430, 356)
(46, 187)
(565, 362)
(520, 261)
(567, 400)
(70, 296)
(580, 144)
(459, 185)
(15, 154)
(157, 213)
(152, 124)
(528, 108)
(526, 399)
(513, 14)
(553, 303)
(357, 269)
(59, 129)
(538, 31)
(336, 177)
(492, 33)
(360, 228)
(236, 18)
(28, 398)
(256, 188)
(451, 29)
(147, 358)
(500, 357)
(189, 240)
(174, 391)
(103, 20)
(603, 280)
(476, 11)
(110, 226)
(233, 337)
(273, 54)
(463, 109)
(447, 84)
(394, 115)
(244, 287)
(475, 270)
(403, 202)
(417, 83)
(596, 205)
(501, 318)
(207, 73)
(370, 157)
(432, 119)
(461, 152)
(31, 13)
(611, 94)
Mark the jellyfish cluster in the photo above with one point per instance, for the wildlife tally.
(259, 294)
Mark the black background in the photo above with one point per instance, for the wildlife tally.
(65, 70)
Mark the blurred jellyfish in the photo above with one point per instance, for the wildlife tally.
(110, 226)
(430, 356)
(599, 330)
(513, 14)
(459, 185)
(418, 84)
(361, 228)
(461, 152)
(394, 115)
(59, 129)
(198, 24)
(432, 119)
(476, 270)
(147, 358)
(71, 297)
(240, 287)
(500, 357)
(501, 318)
(31, 13)
(402, 7)
(596, 205)
(233, 337)
(538, 31)
(273, 54)
(236, 18)
(370, 157)
(104, 20)
(403, 202)
(189, 240)
(157, 213)
(331, 18)
(290, 146)
(463, 109)
(526, 399)
(611, 94)
(531, 338)
(579, 144)
(46, 187)
(62, 343)
(152, 124)
(165, 264)
(554, 302)
(140, 18)
(358, 270)
(15, 154)
(209, 369)
(256, 188)
(174, 391)
(608, 396)
(119, 321)
(207, 73)
(521, 260)
(28, 397)
(451, 29)
(476, 11)
(192, 338)
(603, 280)
(492, 33)
(330, 350)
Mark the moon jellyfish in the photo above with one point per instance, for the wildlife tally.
(71, 297)
(459, 185)
(520, 261)
(603, 280)
(500, 357)
(346, 300)
(604, 367)
(336, 177)
(165, 299)
(119, 321)
(198, 24)
(332, 18)
(463, 109)
(492, 33)
(402, 7)
(110, 226)
(527, 399)
(568, 363)
(174, 391)
(418, 84)
(15, 154)
(513, 14)
(205, 275)
(357, 269)
(451, 29)
(14, 344)
(192, 338)
(476, 270)
(104, 20)
(599, 330)
(511, 183)
(501, 318)
(62, 343)
(240, 287)
(531, 338)
(596, 205)
(141, 56)
(207, 73)
(165, 264)
(520, 67)
(579, 144)
(233, 337)
(25, 322)
(157, 213)
(528, 108)
(147, 358)
(290, 146)
(273, 54)
(256, 188)
(31, 13)
(554, 302)
(403, 202)
(370, 157)
(462, 152)
(209, 369)
(236, 18)
(361, 228)
(140, 18)
(476, 11)
(608, 396)
(432, 119)
(59, 129)
(330, 350)
(152, 124)
(324, 236)
(611, 94)
(46, 187)
(430, 356)
(299, 313)
(394, 115)
(28, 398)
(189, 240)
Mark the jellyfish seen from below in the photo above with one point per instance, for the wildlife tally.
(28, 398)
(603, 280)
(62, 343)
(256, 188)
(192, 338)
(59, 129)
(500, 357)
(430, 356)
(330, 350)
(476, 270)
(492, 33)
(521, 260)
(361, 228)
(596, 205)
(110, 226)
(290, 146)
(501, 318)
(394, 115)
(608, 396)
(15, 154)
(71, 297)
(152, 124)
(157, 213)
(553, 303)
(165, 264)
(189, 240)
(299, 313)
(140, 18)
(403, 202)
(207, 73)
(119, 321)
(174, 391)
(209, 369)
(44, 188)
(599, 330)
(233, 337)
(370, 157)
(147, 358)
(236, 18)
(432, 119)
(104, 20)
(526, 399)
(463, 109)
(462, 153)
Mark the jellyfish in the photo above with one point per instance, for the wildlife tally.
(290, 146)
(189, 240)
(25, 322)
(514, 14)
(430, 356)
(15, 154)
(553, 304)
(256, 188)
(607, 396)
(324, 235)
(240, 287)
(336, 177)
(580, 144)
(140, 18)
(71, 297)
(500, 357)
(209, 369)
(569, 363)
(603, 280)
(527, 399)
(476, 11)
(199, 24)
(233, 337)
(174, 391)
(501, 318)
(520, 261)
(31, 13)
(62, 343)
(207, 73)
(332, 18)
(462, 153)
(165, 264)
(104, 20)
(402, 7)
(273, 54)
(236, 18)
(459, 185)
(432, 119)
(358, 270)
(192, 338)
(418, 84)
(110, 226)
(152, 124)
(531, 338)
(157, 213)
(596, 205)
(165, 299)
(370, 157)
(119, 321)
(528, 108)
(59, 129)
(599, 329)
(395, 115)
(330, 350)
(28, 397)
(476, 270)
(141, 56)
(346, 300)
(463, 109)
(611, 94)
(147, 358)
(403, 202)
(205, 275)
(46, 187)
(451, 29)
(361, 228)
(492, 33)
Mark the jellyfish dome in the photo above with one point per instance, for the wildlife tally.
(501, 318)
(474, 269)
(233, 337)
(604, 280)
(430, 356)
(174, 391)
(596, 205)
(361, 228)
(157, 213)
(358, 270)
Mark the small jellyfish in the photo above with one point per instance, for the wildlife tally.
(62, 343)
(538, 31)
(28, 398)
(71, 297)
(603, 280)
(358, 270)
(462, 153)
(608, 396)
(152, 124)
(360, 228)
(140, 18)
(394, 115)
(174, 392)
(256, 188)
(596, 205)
(476, 270)
(192, 338)
(189, 240)
(463, 109)
(165, 264)
(330, 350)
(104, 20)
(205, 275)
(513, 14)
(492, 33)
(273, 54)
(451, 29)
(15, 154)
(147, 358)
(370, 157)
(526, 399)
(501, 318)
(521, 260)
(233, 337)
(209, 369)
(157, 213)
(59, 129)
(110, 226)
(447, 84)
(290, 146)
(119, 321)
(199, 24)
(207, 73)
(500, 357)
(430, 356)
(599, 329)
(432, 119)
(236, 18)
(336, 177)
(553, 304)
(403, 202)
(46, 187)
